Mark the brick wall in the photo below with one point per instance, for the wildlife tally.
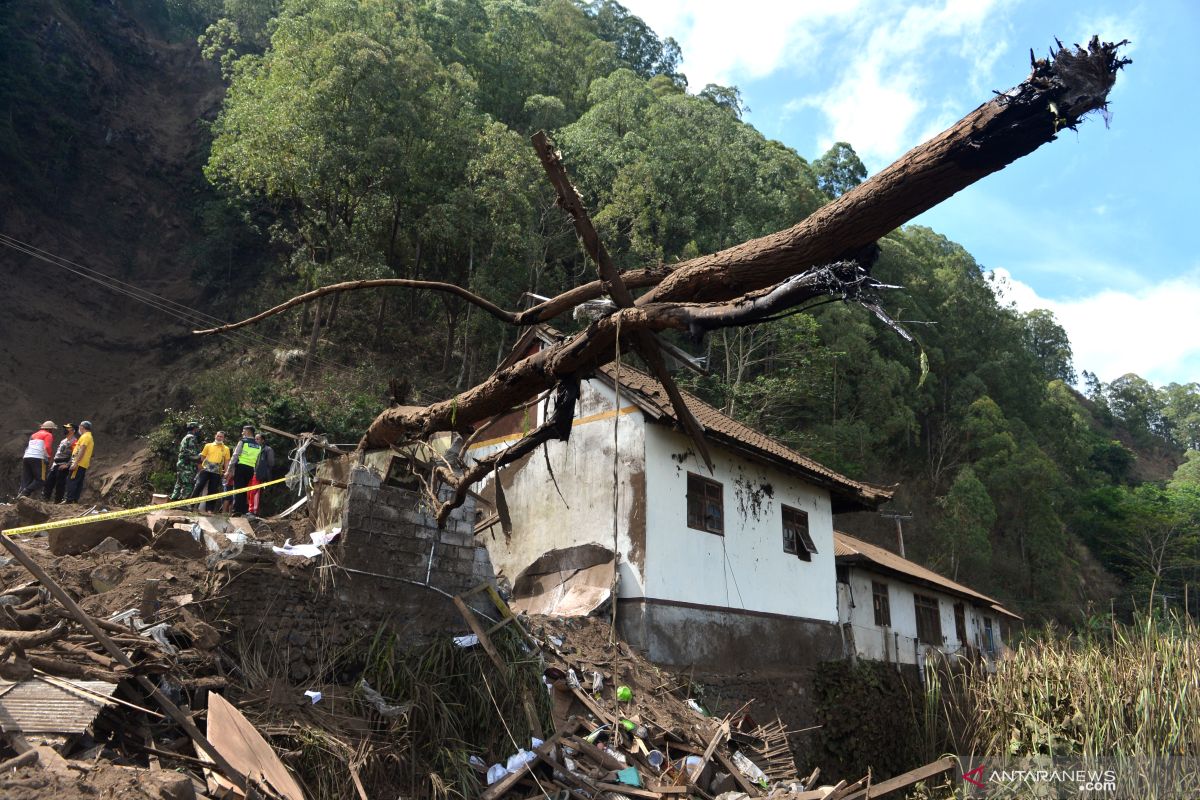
(390, 568)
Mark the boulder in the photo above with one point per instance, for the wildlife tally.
(109, 545)
(107, 577)
(178, 539)
(31, 511)
(80, 538)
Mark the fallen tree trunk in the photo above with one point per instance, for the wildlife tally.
(1058, 93)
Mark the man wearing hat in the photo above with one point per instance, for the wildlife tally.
(81, 460)
(187, 462)
(56, 484)
(36, 461)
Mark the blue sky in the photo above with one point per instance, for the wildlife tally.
(1095, 226)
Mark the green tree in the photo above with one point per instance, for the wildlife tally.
(962, 533)
(1048, 342)
(839, 170)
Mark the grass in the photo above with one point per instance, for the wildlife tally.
(459, 705)
(1129, 692)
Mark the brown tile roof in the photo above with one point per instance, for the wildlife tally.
(846, 494)
(848, 550)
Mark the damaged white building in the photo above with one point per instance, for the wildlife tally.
(716, 569)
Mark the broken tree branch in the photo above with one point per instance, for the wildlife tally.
(558, 426)
(1060, 90)
(570, 201)
(593, 347)
(374, 283)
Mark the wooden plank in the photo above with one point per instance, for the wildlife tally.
(628, 791)
(477, 629)
(591, 705)
(237, 740)
(601, 757)
(500, 787)
(907, 779)
(846, 791)
(742, 781)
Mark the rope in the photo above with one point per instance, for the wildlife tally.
(133, 512)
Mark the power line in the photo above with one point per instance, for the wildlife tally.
(179, 311)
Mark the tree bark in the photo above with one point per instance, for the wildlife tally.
(1060, 90)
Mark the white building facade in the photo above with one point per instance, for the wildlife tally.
(891, 609)
(718, 569)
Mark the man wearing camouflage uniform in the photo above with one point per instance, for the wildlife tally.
(187, 463)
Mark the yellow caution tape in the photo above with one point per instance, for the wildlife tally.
(133, 512)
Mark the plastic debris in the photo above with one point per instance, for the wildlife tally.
(624, 694)
(629, 776)
(381, 705)
(313, 695)
(749, 769)
(470, 640)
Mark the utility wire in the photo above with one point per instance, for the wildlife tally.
(179, 311)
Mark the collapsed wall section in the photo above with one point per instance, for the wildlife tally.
(390, 570)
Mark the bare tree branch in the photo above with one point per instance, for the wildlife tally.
(375, 283)
(570, 201)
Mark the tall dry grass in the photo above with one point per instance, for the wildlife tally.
(1134, 691)
(1129, 695)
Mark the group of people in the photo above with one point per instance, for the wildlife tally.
(58, 472)
(212, 468)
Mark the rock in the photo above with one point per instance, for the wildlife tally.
(109, 545)
(178, 539)
(204, 636)
(32, 511)
(106, 577)
(81, 538)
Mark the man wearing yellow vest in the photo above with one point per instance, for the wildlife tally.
(242, 463)
(81, 460)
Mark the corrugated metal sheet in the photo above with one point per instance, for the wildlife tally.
(38, 706)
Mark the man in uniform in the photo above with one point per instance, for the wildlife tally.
(56, 484)
(187, 462)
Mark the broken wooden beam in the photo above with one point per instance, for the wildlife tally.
(931, 769)
(119, 655)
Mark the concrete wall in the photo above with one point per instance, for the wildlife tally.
(725, 640)
(390, 569)
(746, 568)
(898, 644)
(583, 469)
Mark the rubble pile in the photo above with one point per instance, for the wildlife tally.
(626, 728)
(127, 670)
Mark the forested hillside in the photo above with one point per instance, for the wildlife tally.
(362, 138)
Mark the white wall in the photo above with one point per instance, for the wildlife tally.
(899, 642)
(583, 468)
(746, 568)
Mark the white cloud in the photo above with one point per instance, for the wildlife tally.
(1149, 331)
(875, 59)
